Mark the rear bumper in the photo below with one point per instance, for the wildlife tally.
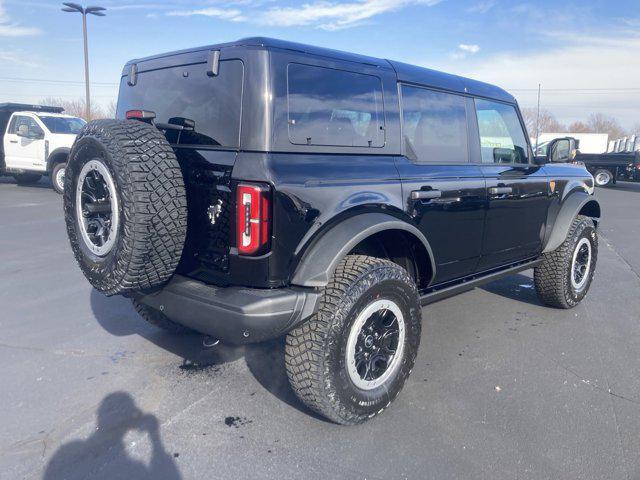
(235, 315)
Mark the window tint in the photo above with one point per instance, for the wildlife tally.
(62, 124)
(179, 94)
(501, 137)
(434, 125)
(334, 107)
(32, 127)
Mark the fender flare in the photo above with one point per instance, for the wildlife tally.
(571, 208)
(320, 261)
(56, 152)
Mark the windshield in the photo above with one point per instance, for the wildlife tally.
(63, 124)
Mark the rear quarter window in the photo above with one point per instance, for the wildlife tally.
(187, 92)
(333, 107)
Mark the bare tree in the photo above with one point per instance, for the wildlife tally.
(111, 109)
(76, 107)
(600, 123)
(579, 127)
(546, 123)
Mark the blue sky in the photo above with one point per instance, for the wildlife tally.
(585, 53)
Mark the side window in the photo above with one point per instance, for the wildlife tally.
(334, 107)
(502, 139)
(33, 129)
(434, 126)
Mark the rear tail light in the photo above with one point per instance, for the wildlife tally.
(253, 222)
(145, 115)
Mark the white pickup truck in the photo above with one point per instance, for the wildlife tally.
(35, 140)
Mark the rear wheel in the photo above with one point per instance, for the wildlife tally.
(563, 278)
(57, 177)
(125, 206)
(27, 178)
(603, 177)
(351, 359)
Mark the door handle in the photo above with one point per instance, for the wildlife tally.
(425, 194)
(500, 190)
(13, 141)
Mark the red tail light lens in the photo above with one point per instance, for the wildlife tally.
(253, 222)
(140, 115)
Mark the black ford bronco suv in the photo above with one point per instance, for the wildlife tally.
(261, 188)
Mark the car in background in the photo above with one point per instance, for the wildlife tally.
(606, 168)
(35, 140)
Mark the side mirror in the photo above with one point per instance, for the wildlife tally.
(23, 130)
(559, 150)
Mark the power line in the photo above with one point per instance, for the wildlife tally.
(54, 95)
(56, 82)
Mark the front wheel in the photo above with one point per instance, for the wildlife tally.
(57, 177)
(351, 359)
(603, 177)
(563, 278)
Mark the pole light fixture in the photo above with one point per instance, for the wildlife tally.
(99, 12)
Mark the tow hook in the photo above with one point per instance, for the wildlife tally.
(209, 342)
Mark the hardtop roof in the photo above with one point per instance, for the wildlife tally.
(404, 72)
(24, 107)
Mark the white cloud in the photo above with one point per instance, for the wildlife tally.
(331, 15)
(572, 74)
(232, 14)
(11, 29)
(482, 7)
(469, 48)
(464, 50)
(9, 58)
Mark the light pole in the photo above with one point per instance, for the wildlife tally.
(98, 11)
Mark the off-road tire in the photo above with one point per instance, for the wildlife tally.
(315, 352)
(152, 205)
(552, 277)
(158, 319)
(27, 178)
(608, 174)
(54, 174)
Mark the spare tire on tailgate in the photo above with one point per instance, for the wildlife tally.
(125, 206)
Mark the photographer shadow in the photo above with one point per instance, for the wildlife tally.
(104, 455)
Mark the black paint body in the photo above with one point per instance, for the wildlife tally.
(469, 229)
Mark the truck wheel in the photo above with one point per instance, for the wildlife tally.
(57, 177)
(125, 206)
(351, 359)
(27, 178)
(603, 177)
(564, 276)
(159, 319)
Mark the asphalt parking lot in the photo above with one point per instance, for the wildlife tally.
(503, 387)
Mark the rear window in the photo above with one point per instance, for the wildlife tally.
(177, 94)
(334, 107)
